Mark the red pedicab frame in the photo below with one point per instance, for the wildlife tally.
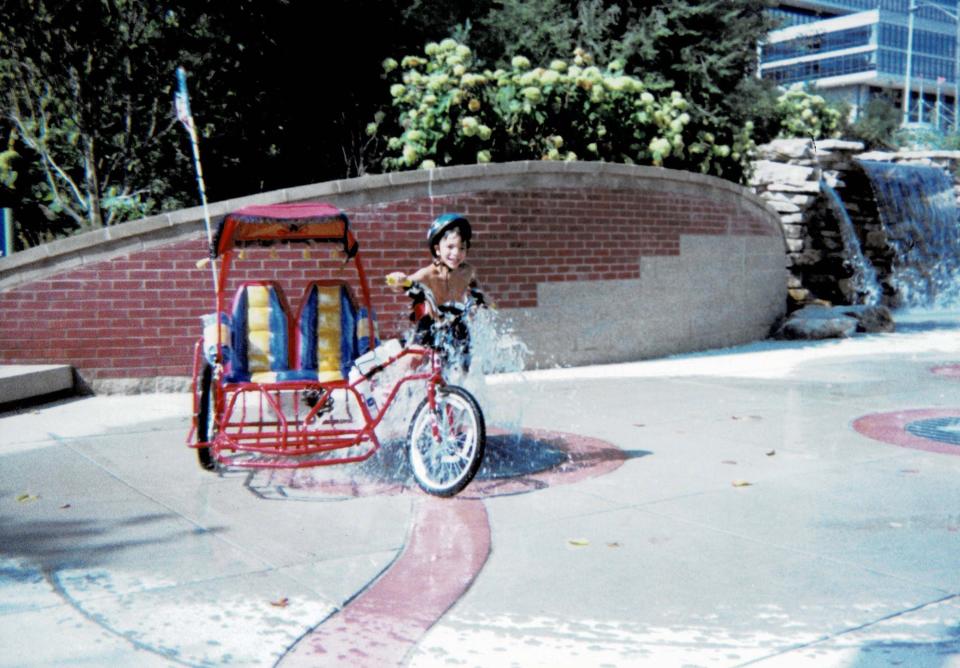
(284, 423)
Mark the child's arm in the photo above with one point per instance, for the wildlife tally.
(401, 281)
(415, 289)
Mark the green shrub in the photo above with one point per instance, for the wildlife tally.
(803, 114)
(448, 113)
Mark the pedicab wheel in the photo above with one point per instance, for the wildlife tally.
(207, 420)
(445, 446)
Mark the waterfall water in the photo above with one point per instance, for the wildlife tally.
(918, 211)
(864, 280)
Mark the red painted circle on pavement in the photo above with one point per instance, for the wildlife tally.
(892, 428)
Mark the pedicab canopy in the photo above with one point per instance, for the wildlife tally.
(290, 222)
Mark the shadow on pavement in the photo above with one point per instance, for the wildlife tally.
(935, 654)
(58, 544)
(512, 464)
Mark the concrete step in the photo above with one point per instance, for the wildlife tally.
(27, 381)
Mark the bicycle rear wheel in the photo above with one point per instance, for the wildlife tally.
(207, 420)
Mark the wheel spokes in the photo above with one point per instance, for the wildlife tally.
(446, 441)
(447, 446)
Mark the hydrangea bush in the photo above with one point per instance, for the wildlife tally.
(448, 113)
(803, 114)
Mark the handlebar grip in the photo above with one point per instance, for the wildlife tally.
(394, 281)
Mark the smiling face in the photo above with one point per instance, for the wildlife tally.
(451, 250)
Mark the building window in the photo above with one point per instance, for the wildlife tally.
(818, 43)
(819, 69)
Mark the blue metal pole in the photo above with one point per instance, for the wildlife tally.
(7, 249)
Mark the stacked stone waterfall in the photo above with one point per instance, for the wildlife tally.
(789, 174)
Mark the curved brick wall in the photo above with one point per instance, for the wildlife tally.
(592, 262)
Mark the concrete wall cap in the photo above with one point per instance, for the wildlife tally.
(374, 188)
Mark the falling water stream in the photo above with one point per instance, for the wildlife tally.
(864, 280)
(918, 211)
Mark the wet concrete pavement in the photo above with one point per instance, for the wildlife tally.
(772, 506)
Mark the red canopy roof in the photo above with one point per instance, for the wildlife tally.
(289, 210)
(295, 221)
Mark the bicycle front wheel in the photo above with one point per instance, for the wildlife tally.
(445, 445)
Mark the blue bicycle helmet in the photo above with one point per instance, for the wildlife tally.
(443, 223)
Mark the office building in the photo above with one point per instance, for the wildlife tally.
(856, 49)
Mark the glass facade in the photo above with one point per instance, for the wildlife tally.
(934, 50)
(835, 7)
(934, 53)
(855, 50)
(795, 17)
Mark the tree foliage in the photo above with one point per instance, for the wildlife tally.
(705, 49)
(282, 91)
(86, 90)
(878, 124)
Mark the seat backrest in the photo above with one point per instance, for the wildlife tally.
(327, 330)
(261, 332)
(368, 337)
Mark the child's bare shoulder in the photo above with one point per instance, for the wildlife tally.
(423, 273)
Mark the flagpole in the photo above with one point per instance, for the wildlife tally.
(182, 100)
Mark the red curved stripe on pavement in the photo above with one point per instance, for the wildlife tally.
(448, 544)
(437, 566)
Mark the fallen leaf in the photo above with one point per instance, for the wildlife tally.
(771, 453)
(579, 542)
(66, 505)
(639, 424)
(280, 603)
(741, 483)
(26, 497)
(613, 544)
(729, 461)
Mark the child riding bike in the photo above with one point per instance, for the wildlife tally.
(444, 291)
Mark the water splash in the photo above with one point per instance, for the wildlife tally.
(497, 349)
(864, 281)
(917, 207)
(494, 349)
